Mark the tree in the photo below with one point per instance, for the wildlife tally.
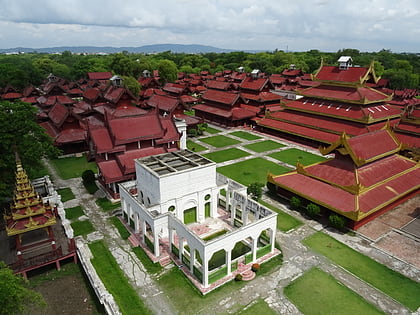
(132, 85)
(255, 190)
(313, 210)
(168, 72)
(19, 133)
(295, 203)
(337, 221)
(15, 295)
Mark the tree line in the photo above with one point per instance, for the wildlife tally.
(403, 69)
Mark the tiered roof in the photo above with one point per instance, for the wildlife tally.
(27, 211)
(366, 175)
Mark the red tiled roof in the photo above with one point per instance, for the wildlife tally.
(131, 129)
(91, 94)
(292, 72)
(360, 95)
(219, 85)
(408, 139)
(127, 111)
(372, 145)
(241, 113)
(300, 131)
(11, 96)
(262, 96)
(49, 129)
(101, 140)
(220, 97)
(213, 110)
(126, 160)
(111, 172)
(58, 114)
(99, 75)
(81, 107)
(189, 120)
(255, 84)
(163, 102)
(187, 99)
(71, 136)
(29, 99)
(174, 88)
(171, 132)
(113, 94)
(344, 110)
(333, 73)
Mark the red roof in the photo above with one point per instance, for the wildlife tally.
(127, 111)
(408, 139)
(101, 140)
(110, 171)
(163, 102)
(92, 94)
(171, 132)
(174, 88)
(219, 85)
(262, 96)
(58, 114)
(126, 160)
(257, 84)
(372, 145)
(292, 72)
(300, 131)
(361, 95)
(213, 110)
(239, 113)
(220, 97)
(136, 128)
(99, 75)
(344, 110)
(11, 96)
(333, 73)
(49, 129)
(187, 99)
(71, 135)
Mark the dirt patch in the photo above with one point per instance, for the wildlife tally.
(69, 294)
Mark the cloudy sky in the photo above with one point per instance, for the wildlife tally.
(297, 25)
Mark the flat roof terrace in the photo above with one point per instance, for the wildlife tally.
(173, 162)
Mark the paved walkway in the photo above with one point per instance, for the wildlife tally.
(297, 258)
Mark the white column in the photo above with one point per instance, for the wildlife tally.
(136, 223)
(170, 235)
(192, 259)
(229, 260)
(143, 231)
(180, 248)
(156, 242)
(205, 271)
(254, 248)
(272, 239)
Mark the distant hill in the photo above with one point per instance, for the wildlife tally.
(147, 49)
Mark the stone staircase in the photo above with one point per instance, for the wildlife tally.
(248, 275)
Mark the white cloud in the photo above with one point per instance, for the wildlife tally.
(238, 24)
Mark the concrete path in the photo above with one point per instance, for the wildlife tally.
(297, 258)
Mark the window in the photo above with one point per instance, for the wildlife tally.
(171, 208)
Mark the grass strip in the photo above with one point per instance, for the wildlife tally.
(74, 213)
(292, 156)
(212, 130)
(245, 135)
(317, 292)
(72, 167)
(66, 194)
(390, 282)
(120, 227)
(82, 227)
(115, 281)
(219, 141)
(146, 262)
(107, 205)
(194, 146)
(252, 170)
(226, 155)
(285, 222)
(263, 146)
(259, 307)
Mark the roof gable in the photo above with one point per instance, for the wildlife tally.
(220, 97)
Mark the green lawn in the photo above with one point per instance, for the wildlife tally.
(263, 146)
(291, 156)
(212, 130)
(72, 167)
(74, 213)
(146, 262)
(219, 141)
(39, 172)
(260, 307)
(226, 155)
(115, 280)
(397, 286)
(252, 170)
(107, 205)
(194, 146)
(120, 227)
(245, 135)
(82, 227)
(285, 222)
(317, 292)
(66, 194)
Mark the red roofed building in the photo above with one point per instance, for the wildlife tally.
(223, 107)
(99, 76)
(366, 178)
(340, 101)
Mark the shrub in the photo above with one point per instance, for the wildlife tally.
(295, 203)
(313, 210)
(238, 277)
(255, 267)
(337, 221)
(255, 190)
(88, 176)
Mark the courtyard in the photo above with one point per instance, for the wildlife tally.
(168, 292)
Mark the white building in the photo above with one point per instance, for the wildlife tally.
(176, 209)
